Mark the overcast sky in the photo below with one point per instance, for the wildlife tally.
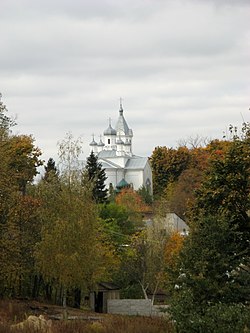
(182, 68)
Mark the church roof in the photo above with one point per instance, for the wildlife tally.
(136, 162)
(132, 163)
(121, 125)
(109, 165)
(107, 153)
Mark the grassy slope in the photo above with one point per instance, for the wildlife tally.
(15, 311)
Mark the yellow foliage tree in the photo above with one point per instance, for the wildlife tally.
(172, 248)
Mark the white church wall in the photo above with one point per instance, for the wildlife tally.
(120, 175)
(134, 177)
(147, 174)
(119, 160)
(114, 176)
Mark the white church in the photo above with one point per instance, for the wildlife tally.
(122, 167)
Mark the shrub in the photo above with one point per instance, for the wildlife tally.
(218, 318)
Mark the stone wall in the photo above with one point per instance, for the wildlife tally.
(133, 307)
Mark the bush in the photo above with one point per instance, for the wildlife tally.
(218, 318)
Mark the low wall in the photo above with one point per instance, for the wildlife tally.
(133, 307)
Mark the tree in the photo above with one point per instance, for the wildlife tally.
(69, 150)
(50, 170)
(145, 195)
(24, 159)
(183, 176)
(72, 252)
(96, 174)
(133, 203)
(19, 234)
(167, 165)
(5, 122)
(145, 259)
(172, 249)
(115, 219)
(19, 156)
(211, 282)
(181, 194)
(19, 221)
(65, 253)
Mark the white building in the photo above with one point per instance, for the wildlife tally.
(117, 158)
(174, 223)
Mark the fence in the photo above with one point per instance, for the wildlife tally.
(133, 307)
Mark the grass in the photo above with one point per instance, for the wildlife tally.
(15, 311)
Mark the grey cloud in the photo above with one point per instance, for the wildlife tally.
(182, 68)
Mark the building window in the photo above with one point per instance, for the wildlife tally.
(109, 141)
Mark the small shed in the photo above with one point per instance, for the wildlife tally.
(99, 298)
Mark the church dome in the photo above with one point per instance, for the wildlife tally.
(93, 143)
(110, 131)
(122, 184)
(100, 143)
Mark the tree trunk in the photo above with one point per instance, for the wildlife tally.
(65, 314)
(155, 291)
(144, 290)
(36, 286)
(77, 298)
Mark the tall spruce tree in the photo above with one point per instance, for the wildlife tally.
(212, 282)
(96, 174)
(50, 170)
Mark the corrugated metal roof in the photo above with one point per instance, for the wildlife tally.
(108, 164)
(107, 154)
(136, 162)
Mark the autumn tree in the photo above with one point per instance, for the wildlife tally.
(145, 261)
(133, 203)
(19, 223)
(5, 122)
(65, 254)
(72, 252)
(96, 174)
(181, 197)
(24, 160)
(172, 249)
(167, 165)
(184, 176)
(19, 235)
(211, 282)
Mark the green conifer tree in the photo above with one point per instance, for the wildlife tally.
(96, 174)
(50, 170)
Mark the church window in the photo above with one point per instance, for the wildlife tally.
(109, 141)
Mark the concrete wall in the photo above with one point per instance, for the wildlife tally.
(133, 307)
